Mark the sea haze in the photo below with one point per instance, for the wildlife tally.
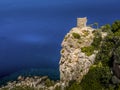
(31, 31)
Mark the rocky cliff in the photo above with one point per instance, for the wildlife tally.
(74, 63)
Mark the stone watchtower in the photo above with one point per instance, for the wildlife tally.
(81, 22)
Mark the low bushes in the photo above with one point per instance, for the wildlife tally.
(88, 50)
(76, 35)
(95, 44)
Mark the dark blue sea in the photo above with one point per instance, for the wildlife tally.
(31, 32)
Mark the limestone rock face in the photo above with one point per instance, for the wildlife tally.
(74, 64)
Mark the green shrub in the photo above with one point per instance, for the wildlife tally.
(117, 33)
(49, 83)
(22, 88)
(105, 53)
(106, 28)
(88, 50)
(97, 40)
(97, 79)
(74, 86)
(76, 35)
(117, 55)
(115, 26)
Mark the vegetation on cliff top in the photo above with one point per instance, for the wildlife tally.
(76, 35)
(100, 75)
(89, 50)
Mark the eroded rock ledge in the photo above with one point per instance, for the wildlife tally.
(32, 83)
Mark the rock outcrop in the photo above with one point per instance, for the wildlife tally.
(32, 83)
(74, 64)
